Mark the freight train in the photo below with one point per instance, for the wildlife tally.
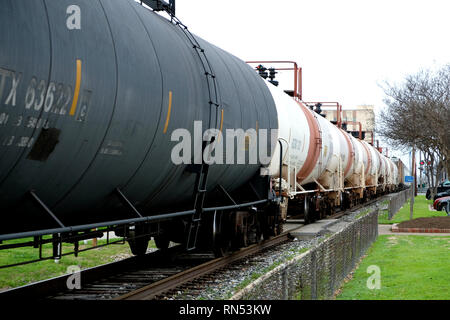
(107, 110)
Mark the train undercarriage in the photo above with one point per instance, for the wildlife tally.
(224, 231)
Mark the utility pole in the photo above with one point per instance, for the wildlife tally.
(421, 169)
(413, 185)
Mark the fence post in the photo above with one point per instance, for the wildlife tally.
(354, 235)
(390, 209)
(313, 275)
(332, 264)
(284, 285)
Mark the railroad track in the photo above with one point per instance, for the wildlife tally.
(137, 277)
(148, 277)
(100, 280)
(156, 289)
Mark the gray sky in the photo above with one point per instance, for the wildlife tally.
(346, 48)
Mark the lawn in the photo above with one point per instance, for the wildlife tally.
(24, 274)
(412, 268)
(420, 210)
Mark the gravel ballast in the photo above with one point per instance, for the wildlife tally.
(230, 280)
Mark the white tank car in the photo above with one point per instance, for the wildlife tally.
(371, 165)
(293, 133)
(322, 165)
(382, 168)
(355, 176)
(386, 172)
(396, 175)
(312, 146)
(393, 175)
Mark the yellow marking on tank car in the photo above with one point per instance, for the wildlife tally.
(221, 122)
(221, 127)
(77, 89)
(168, 112)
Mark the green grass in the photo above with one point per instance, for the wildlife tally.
(412, 268)
(20, 275)
(420, 210)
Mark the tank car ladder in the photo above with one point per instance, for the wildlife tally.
(199, 200)
(214, 101)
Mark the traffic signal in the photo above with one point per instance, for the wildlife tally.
(422, 162)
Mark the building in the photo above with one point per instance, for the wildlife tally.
(364, 114)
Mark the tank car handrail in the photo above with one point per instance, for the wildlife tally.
(160, 217)
(237, 206)
(155, 218)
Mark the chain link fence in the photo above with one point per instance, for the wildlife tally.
(319, 272)
(397, 201)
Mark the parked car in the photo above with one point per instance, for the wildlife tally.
(441, 195)
(439, 203)
(443, 186)
(445, 206)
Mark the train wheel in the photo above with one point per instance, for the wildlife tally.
(222, 250)
(162, 242)
(221, 243)
(139, 246)
(307, 211)
(270, 222)
(259, 234)
(342, 201)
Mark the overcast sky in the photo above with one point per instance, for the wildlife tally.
(347, 48)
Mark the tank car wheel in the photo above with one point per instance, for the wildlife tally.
(341, 200)
(270, 221)
(307, 211)
(259, 232)
(162, 242)
(139, 246)
(221, 243)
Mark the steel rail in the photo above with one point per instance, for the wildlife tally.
(52, 286)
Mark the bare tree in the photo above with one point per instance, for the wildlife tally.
(418, 115)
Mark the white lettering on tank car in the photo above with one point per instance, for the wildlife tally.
(41, 96)
(31, 93)
(25, 142)
(52, 98)
(55, 98)
(21, 142)
(8, 141)
(112, 148)
(18, 122)
(15, 80)
(4, 118)
(12, 94)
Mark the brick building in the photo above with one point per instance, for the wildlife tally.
(364, 114)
